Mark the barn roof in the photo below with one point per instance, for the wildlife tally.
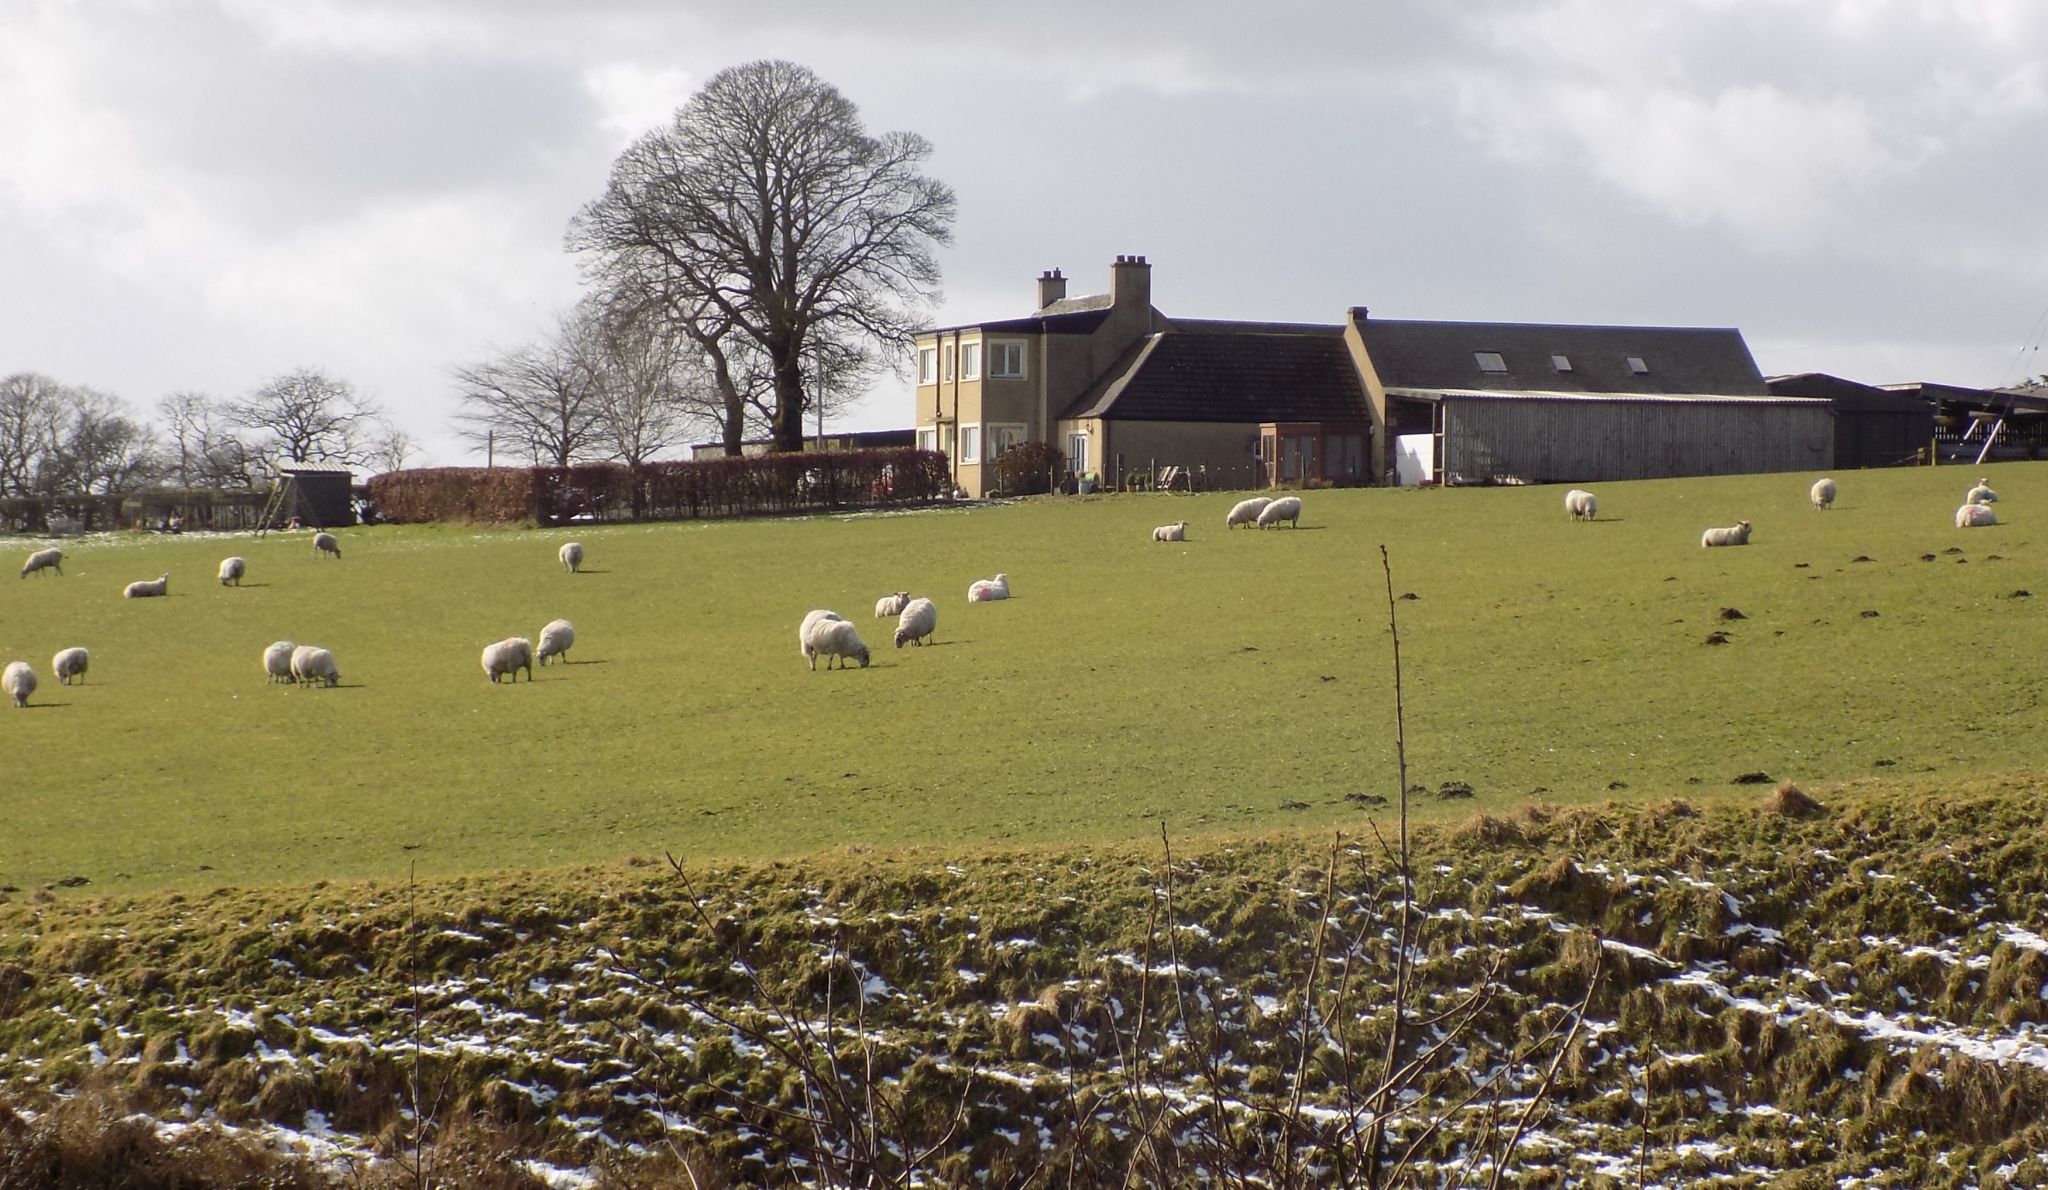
(1228, 373)
(1848, 395)
(1523, 357)
(315, 469)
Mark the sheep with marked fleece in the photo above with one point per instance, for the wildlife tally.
(1975, 516)
(982, 590)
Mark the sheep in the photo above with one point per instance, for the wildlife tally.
(920, 618)
(1823, 493)
(144, 590)
(803, 631)
(1975, 516)
(231, 570)
(43, 560)
(1580, 504)
(891, 605)
(1245, 512)
(835, 640)
(311, 663)
(1736, 534)
(1177, 531)
(1286, 508)
(18, 680)
(277, 662)
(571, 556)
(69, 664)
(1981, 494)
(555, 640)
(508, 657)
(324, 543)
(982, 590)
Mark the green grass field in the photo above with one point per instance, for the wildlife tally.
(1238, 681)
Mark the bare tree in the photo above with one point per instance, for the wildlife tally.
(764, 212)
(30, 404)
(651, 388)
(539, 400)
(306, 416)
(391, 448)
(202, 452)
(98, 447)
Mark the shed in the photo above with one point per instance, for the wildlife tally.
(1874, 427)
(320, 495)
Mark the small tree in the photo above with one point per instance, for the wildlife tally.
(540, 399)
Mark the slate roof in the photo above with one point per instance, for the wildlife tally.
(1221, 373)
(1848, 394)
(1681, 361)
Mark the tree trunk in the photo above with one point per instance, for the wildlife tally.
(789, 404)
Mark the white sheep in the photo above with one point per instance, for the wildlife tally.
(982, 590)
(1286, 508)
(324, 543)
(572, 556)
(69, 664)
(19, 681)
(508, 657)
(231, 571)
(277, 662)
(311, 663)
(140, 589)
(43, 560)
(555, 640)
(1823, 493)
(803, 630)
(1177, 531)
(835, 640)
(1981, 494)
(1735, 534)
(1245, 512)
(1580, 504)
(891, 605)
(1975, 516)
(920, 618)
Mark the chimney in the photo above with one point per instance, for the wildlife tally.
(1051, 288)
(1130, 284)
(1358, 313)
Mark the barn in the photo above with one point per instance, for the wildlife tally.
(1874, 427)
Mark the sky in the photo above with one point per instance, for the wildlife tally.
(199, 195)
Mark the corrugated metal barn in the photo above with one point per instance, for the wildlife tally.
(1873, 427)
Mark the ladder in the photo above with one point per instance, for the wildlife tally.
(287, 487)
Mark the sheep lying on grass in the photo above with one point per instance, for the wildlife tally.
(324, 543)
(1735, 534)
(891, 605)
(1177, 531)
(277, 662)
(982, 590)
(555, 640)
(1981, 494)
(920, 618)
(19, 681)
(506, 658)
(312, 664)
(231, 571)
(1245, 512)
(43, 560)
(572, 556)
(1823, 493)
(1580, 504)
(1286, 508)
(837, 641)
(69, 664)
(160, 585)
(1975, 516)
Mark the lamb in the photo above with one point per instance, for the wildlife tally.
(1286, 508)
(803, 631)
(19, 681)
(311, 664)
(508, 657)
(1823, 493)
(146, 589)
(1245, 512)
(555, 640)
(920, 618)
(1736, 534)
(1177, 531)
(69, 664)
(324, 543)
(1981, 494)
(277, 662)
(571, 556)
(1580, 504)
(834, 639)
(982, 590)
(1975, 516)
(43, 560)
(231, 570)
(891, 605)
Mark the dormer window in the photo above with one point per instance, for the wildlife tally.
(1636, 365)
(1490, 361)
(1562, 363)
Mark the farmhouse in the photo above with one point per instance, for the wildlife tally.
(1125, 391)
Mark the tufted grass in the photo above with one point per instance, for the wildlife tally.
(1235, 682)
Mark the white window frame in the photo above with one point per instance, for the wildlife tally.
(946, 362)
(970, 443)
(970, 361)
(1077, 453)
(1004, 434)
(1002, 352)
(928, 438)
(927, 365)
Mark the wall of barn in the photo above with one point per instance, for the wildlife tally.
(1578, 441)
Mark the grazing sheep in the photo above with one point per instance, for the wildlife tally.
(982, 590)
(834, 640)
(311, 664)
(43, 560)
(1975, 516)
(920, 618)
(277, 662)
(1981, 494)
(324, 543)
(508, 657)
(803, 631)
(1580, 504)
(1823, 493)
(19, 681)
(1177, 531)
(891, 605)
(1245, 512)
(555, 640)
(1735, 534)
(572, 556)
(144, 590)
(1286, 508)
(69, 664)
(231, 570)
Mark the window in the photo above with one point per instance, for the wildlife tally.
(970, 361)
(1562, 363)
(928, 439)
(970, 444)
(1006, 361)
(927, 365)
(1636, 365)
(1077, 454)
(946, 362)
(1490, 361)
(1003, 437)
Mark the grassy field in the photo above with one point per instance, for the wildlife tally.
(1235, 681)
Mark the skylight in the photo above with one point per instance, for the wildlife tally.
(1562, 363)
(1636, 365)
(1490, 361)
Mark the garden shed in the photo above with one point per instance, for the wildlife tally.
(320, 495)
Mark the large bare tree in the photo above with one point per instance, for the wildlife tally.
(765, 215)
(31, 405)
(307, 416)
(539, 401)
(202, 451)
